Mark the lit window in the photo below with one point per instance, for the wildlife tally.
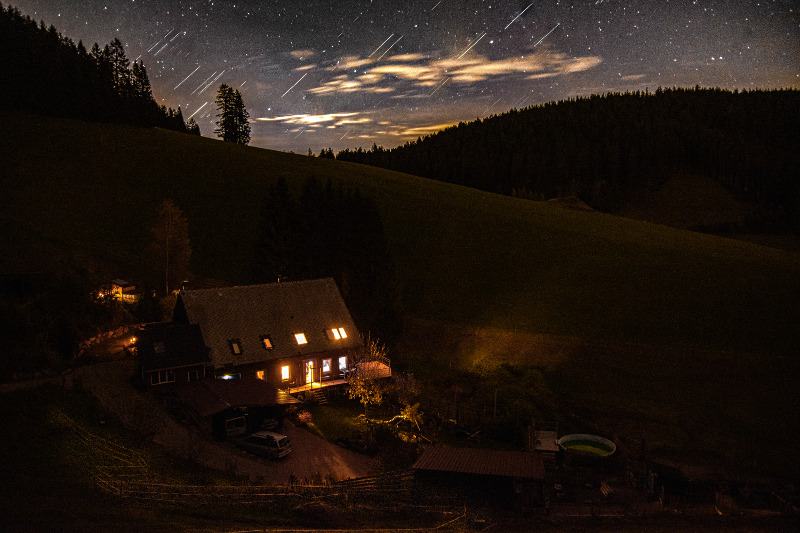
(236, 348)
(301, 338)
(336, 334)
(342, 364)
(266, 342)
(285, 373)
(260, 375)
(159, 347)
(326, 366)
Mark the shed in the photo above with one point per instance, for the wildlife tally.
(494, 474)
(216, 401)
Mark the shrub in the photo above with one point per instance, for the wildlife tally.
(304, 417)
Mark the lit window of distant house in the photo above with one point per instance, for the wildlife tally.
(336, 334)
(159, 347)
(342, 364)
(266, 342)
(301, 338)
(326, 366)
(260, 375)
(285, 373)
(236, 347)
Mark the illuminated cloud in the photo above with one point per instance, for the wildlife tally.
(301, 54)
(633, 77)
(418, 71)
(305, 67)
(318, 120)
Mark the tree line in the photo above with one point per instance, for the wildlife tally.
(328, 231)
(605, 149)
(47, 73)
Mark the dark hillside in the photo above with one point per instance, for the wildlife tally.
(463, 256)
(45, 72)
(608, 150)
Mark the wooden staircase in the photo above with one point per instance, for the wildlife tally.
(319, 394)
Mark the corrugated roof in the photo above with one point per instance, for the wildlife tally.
(279, 310)
(180, 346)
(211, 396)
(483, 462)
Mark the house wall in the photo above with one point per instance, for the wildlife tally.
(164, 379)
(297, 368)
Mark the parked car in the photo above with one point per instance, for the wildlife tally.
(267, 444)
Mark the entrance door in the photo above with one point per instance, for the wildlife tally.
(309, 372)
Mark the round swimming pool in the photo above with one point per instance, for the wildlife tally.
(590, 445)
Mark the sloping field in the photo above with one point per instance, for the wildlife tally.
(687, 339)
(464, 256)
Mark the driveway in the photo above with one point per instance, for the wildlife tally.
(310, 455)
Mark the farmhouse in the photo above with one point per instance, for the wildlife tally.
(294, 335)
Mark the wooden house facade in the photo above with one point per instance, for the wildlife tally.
(293, 335)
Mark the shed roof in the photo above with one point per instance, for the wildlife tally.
(211, 396)
(279, 310)
(483, 462)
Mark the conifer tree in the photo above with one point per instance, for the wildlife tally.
(192, 127)
(232, 125)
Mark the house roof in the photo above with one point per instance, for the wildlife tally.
(211, 396)
(168, 346)
(482, 462)
(246, 314)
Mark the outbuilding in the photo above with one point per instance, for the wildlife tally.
(496, 475)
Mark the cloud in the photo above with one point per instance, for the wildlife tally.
(304, 67)
(301, 54)
(406, 71)
(633, 77)
(317, 120)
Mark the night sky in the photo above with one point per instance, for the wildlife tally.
(339, 74)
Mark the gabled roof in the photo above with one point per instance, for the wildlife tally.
(211, 396)
(169, 346)
(246, 314)
(528, 465)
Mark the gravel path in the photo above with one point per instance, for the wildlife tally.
(310, 454)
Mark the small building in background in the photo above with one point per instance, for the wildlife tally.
(122, 290)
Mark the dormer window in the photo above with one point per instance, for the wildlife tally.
(159, 347)
(236, 346)
(336, 334)
(266, 342)
(301, 338)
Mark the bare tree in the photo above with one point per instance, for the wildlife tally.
(171, 248)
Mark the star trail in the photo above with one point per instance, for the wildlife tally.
(346, 74)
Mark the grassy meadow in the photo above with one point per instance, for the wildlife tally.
(643, 323)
